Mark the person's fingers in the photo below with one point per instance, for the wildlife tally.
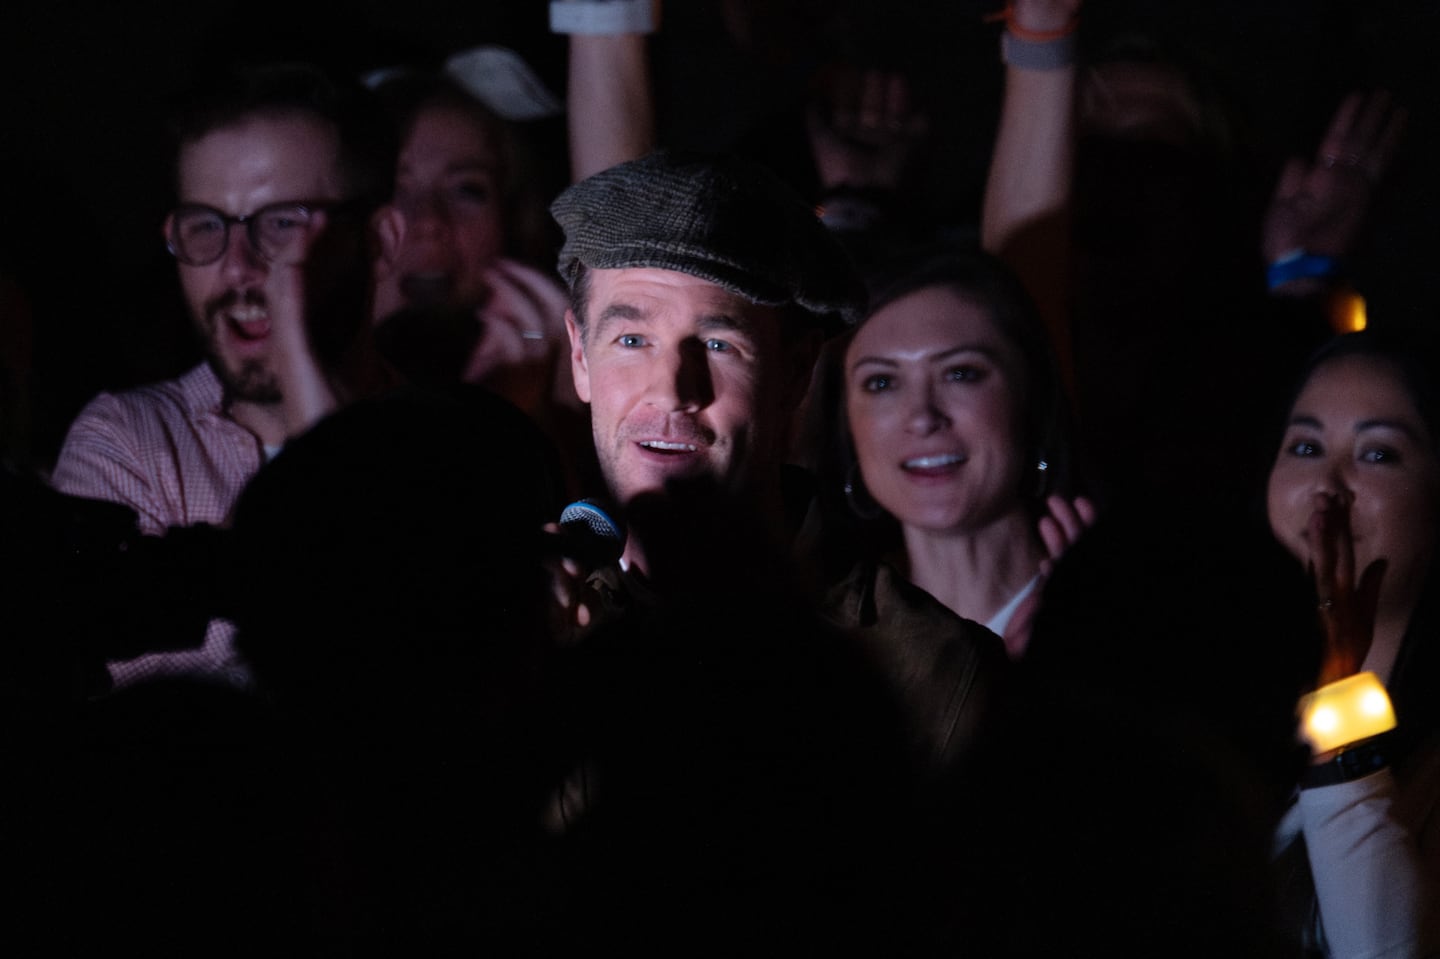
(872, 101)
(577, 610)
(570, 609)
(1067, 516)
(285, 300)
(559, 575)
(567, 586)
(1334, 607)
(285, 280)
(904, 118)
(1367, 591)
(1292, 180)
(387, 230)
(1066, 521)
(1344, 546)
(548, 299)
(1363, 135)
(897, 100)
(528, 298)
(1369, 118)
(1376, 134)
(1052, 536)
(842, 94)
(1337, 135)
(1388, 142)
(523, 274)
(1323, 554)
(561, 589)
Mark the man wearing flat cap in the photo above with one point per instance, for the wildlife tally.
(700, 288)
(735, 764)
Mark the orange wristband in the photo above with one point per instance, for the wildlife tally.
(1007, 14)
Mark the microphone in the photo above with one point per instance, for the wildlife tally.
(591, 533)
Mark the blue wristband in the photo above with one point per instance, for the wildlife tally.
(1299, 265)
(1027, 54)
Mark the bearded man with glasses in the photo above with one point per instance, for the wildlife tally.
(275, 168)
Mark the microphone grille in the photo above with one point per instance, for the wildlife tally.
(595, 518)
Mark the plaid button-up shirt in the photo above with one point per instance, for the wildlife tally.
(169, 452)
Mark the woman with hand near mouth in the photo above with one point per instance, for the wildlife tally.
(464, 282)
(1354, 495)
(461, 294)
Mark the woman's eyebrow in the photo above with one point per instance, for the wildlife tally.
(1380, 423)
(950, 353)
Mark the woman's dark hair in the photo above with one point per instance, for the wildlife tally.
(524, 219)
(1412, 355)
(986, 281)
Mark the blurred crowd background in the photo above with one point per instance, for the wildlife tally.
(85, 83)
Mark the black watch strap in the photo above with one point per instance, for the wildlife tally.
(1352, 762)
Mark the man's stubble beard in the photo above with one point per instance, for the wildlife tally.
(251, 381)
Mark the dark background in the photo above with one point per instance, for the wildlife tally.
(85, 171)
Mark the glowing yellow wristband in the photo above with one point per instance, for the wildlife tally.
(1346, 711)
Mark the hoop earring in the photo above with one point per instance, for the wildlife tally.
(858, 498)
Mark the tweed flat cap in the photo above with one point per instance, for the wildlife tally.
(718, 217)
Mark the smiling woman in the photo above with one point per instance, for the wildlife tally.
(1358, 457)
(954, 437)
(1354, 495)
(942, 495)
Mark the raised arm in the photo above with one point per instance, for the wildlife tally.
(1318, 207)
(1030, 173)
(1377, 883)
(609, 98)
(325, 353)
(1024, 219)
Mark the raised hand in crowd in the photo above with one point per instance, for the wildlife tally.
(1062, 525)
(308, 391)
(1347, 597)
(1319, 205)
(520, 353)
(1060, 528)
(1030, 174)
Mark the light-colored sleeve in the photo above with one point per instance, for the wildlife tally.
(1377, 891)
(101, 460)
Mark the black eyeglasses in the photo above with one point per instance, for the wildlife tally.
(198, 235)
